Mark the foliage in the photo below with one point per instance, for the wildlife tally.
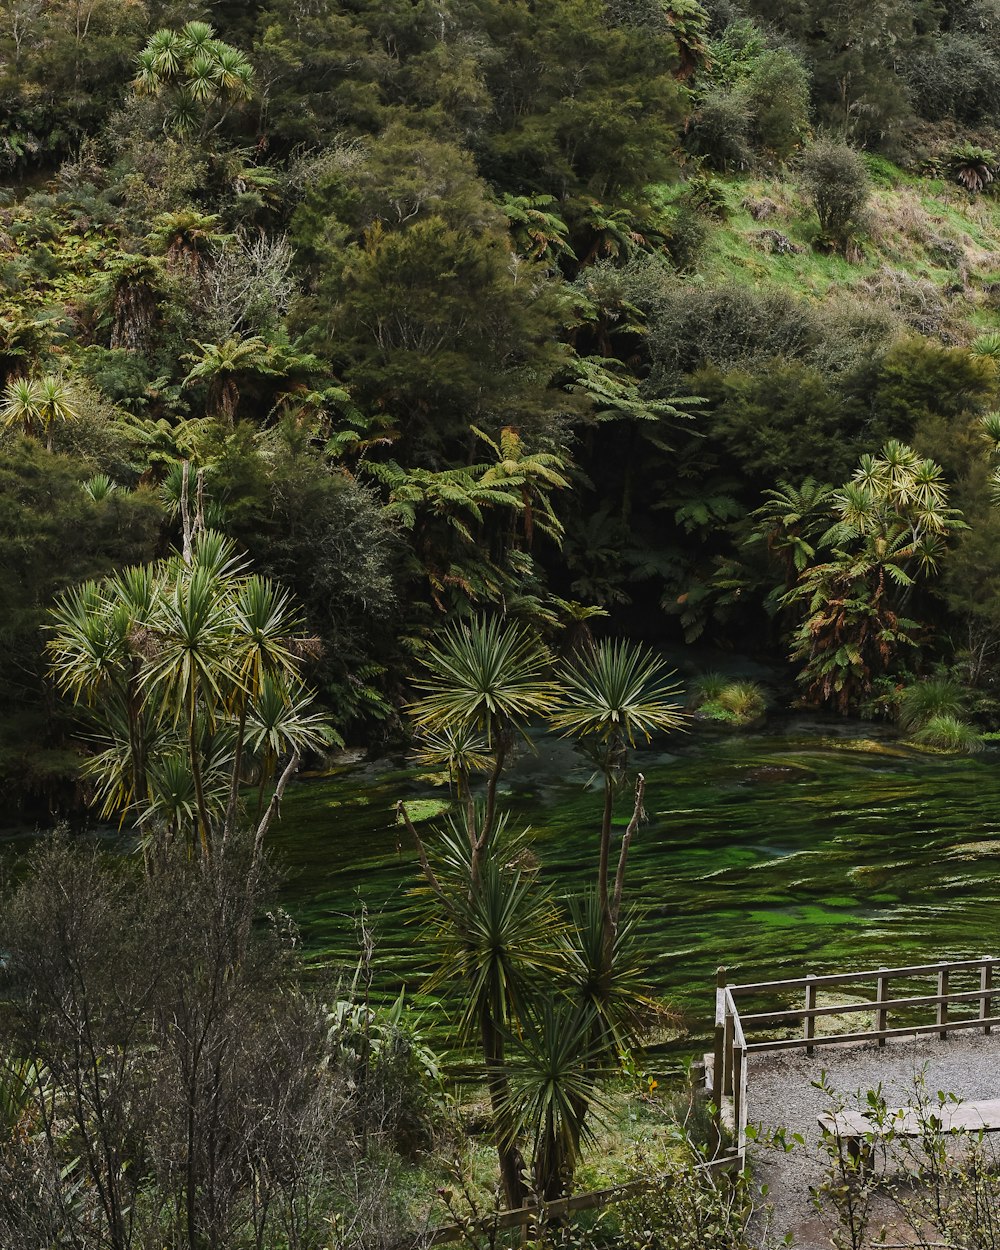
(892, 526)
(36, 405)
(924, 700)
(51, 535)
(949, 1191)
(190, 674)
(195, 74)
(209, 1105)
(737, 703)
(497, 928)
(691, 1208)
(836, 180)
(946, 732)
(973, 167)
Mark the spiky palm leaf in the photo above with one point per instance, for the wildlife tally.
(485, 675)
(616, 998)
(552, 1090)
(21, 405)
(500, 935)
(617, 692)
(282, 718)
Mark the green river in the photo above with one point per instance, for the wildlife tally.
(817, 851)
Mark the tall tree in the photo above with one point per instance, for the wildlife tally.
(189, 671)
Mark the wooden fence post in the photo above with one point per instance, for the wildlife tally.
(881, 1015)
(986, 1002)
(809, 1023)
(729, 1033)
(718, 1060)
(942, 1008)
(739, 1093)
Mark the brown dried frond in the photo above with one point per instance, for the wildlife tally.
(306, 647)
(144, 642)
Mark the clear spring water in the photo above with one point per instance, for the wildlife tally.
(814, 851)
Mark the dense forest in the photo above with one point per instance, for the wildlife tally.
(409, 373)
(627, 317)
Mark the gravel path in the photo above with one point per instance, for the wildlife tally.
(780, 1093)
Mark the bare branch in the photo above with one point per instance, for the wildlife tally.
(633, 825)
(425, 863)
(272, 808)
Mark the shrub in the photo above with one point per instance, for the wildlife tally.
(736, 703)
(691, 1211)
(778, 98)
(932, 697)
(733, 325)
(957, 76)
(686, 241)
(947, 733)
(721, 129)
(836, 180)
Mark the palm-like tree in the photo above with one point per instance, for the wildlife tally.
(195, 72)
(37, 405)
(489, 677)
(892, 523)
(552, 1084)
(497, 930)
(483, 682)
(190, 669)
(610, 696)
(21, 406)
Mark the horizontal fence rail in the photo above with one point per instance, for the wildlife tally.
(729, 1067)
(538, 1216)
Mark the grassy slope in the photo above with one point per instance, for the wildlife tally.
(932, 253)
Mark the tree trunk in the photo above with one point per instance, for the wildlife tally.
(509, 1155)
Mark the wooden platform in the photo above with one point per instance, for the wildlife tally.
(959, 1117)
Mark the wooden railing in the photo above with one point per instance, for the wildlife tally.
(729, 1072)
(536, 1216)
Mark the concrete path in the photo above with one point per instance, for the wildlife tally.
(781, 1094)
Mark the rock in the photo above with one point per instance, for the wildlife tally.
(760, 210)
(349, 755)
(776, 243)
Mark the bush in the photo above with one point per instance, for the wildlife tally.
(737, 326)
(948, 733)
(957, 76)
(686, 241)
(735, 703)
(691, 1211)
(927, 699)
(209, 1104)
(721, 130)
(836, 180)
(778, 98)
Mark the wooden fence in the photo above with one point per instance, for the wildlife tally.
(535, 1216)
(729, 1068)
